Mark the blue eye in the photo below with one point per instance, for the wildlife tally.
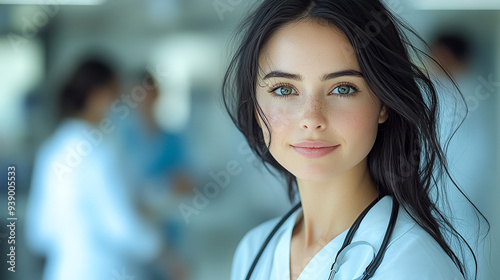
(284, 90)
(344, 90)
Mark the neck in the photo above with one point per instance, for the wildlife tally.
(89, 117)
(149, 121)
(330, 207)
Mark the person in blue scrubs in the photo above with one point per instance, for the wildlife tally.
(325, 92)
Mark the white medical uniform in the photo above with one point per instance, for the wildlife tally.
(79, 215)
(412, 253)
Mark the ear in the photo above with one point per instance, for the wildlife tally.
(383, 116)
(257, 118)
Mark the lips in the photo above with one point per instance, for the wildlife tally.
(313, 144)
(314, 149)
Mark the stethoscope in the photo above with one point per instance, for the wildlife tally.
(347, 245)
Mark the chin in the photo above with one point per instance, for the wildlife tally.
(315, 172)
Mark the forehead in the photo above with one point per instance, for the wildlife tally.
(309, 48)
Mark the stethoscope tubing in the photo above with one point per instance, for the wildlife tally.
(370, 269)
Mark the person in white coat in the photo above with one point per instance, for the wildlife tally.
(326, 94)
(80, 216)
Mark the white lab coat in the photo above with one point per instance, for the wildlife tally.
(412, 253)
(82, 219)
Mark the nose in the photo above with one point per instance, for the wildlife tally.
(313, 114)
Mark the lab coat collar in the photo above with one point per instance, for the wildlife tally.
(371, 229)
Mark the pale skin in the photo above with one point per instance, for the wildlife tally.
(338, 109)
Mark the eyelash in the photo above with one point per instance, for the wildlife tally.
(277, 86)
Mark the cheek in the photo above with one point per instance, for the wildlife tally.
(360, 127)
(278, 119)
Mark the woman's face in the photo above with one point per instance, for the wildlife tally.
(101, 98)
(322, 115)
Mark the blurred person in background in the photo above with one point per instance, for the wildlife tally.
(80, 215)
(453, 51)
(157, 167)
(157, 159)
(471, 142)
(469, 150)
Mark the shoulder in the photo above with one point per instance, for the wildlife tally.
(414, 254)
(249, 246)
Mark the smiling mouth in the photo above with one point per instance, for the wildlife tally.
(314, 150)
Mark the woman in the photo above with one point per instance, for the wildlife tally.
(79, 215)
(324, 92)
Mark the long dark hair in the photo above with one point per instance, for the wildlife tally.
(407, 160)
(90, 74)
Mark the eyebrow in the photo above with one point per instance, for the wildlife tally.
(280, 74)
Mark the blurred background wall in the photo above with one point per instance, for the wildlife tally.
(185, 44)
